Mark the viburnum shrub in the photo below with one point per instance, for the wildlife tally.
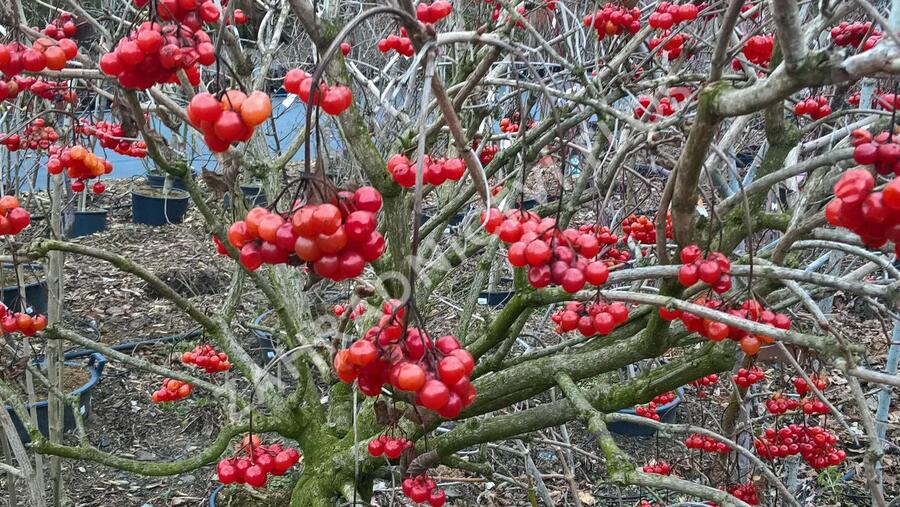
(171, 390)
(405, 357)
(13, 218)
(229, 119)
(336, 239)
(254, 462)
(206, 358)
(435, 171)
(153, 53)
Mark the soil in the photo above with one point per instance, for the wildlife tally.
(74, 377)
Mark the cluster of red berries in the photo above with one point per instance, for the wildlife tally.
(423, 489)
(814, 107)
(399, 43)
(745, 378)
(717, 331)
(802, 387)
(668, 15)
(191, 13)
(44, 53)
(706, 444)
(488, 151)
(666, 397)
(171, 390)
(112, 137)
(511, 125)
(815, 444)
(9, 89)
(745, 492)
(614, 256)
(433, 13)
(886, 101)
(780, 404)
(758, 50)
(437, 372)
(592, 319)
(672, 47)
(230, 119)
(612, 20)
(520, 10)
(854, 34)
(871, 215)
(812, 406)
(336, 238)
(882, 150)
(604, 234)
(649, 111)
(332, 99)
(50, 90)
(206, 358)
(62, 27)
(648, 411)
(154, 53)
(554, 256)
(642, 229)
(339, 310)
(19, 322)
(78, 163)
(703, 382)
(37, 135)
(712, 271)
(13, 218)
(435, 171)
(388, 446)
(260, 461)
(659, 468)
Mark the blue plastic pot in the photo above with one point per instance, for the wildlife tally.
(214, 494)
(35, 292)
(87, 222)
(96, 363)
(254, 195)
(264, 339)
(667, 413)
(159, 180)
(152, 208)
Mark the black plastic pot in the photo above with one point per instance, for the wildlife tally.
(88, 222)
(254, 195)
(744, 159)
(35, 292)
(264, 339)
(150, 207)
(155, 180)
(95, 364)
(667, 413)
(494, 298)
